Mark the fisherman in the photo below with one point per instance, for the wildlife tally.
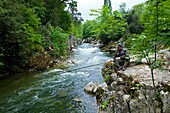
(120, 58)
(71, 41)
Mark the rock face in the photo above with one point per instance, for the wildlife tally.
(131, 91)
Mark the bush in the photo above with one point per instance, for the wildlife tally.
(58, 42)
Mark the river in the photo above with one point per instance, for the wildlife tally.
(56, 90)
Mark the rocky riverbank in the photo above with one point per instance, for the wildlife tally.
(132, 91)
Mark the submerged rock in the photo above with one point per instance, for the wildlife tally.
(78, 99)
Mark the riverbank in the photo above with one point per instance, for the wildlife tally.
(38, 63)
(132, 90)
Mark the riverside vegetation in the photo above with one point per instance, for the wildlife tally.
(34, 35)
(30, 28)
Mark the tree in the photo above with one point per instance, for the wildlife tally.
(108, 4)
(109, 26)
(19, 37)
(156, 29)
(122, 9)
(88, 28)
(56, 15)
(150, 17)
(134, 24)
(28, 27)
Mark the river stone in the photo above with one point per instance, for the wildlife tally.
(142, 73)
(90, 87)
(114, 85)
(114, 76)
(95, 88)
(104, 86)
(119, 80)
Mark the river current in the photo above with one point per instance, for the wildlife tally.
(56, 90)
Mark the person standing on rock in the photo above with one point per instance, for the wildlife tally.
(71, 41)
(120, 58)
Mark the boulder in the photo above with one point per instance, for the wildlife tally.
(104, 86)
(95, 88)
(164, 54)
(90, 88)
(126, 98)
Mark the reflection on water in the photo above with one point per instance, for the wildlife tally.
(55, 90)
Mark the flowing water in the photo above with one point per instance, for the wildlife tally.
(55, 91)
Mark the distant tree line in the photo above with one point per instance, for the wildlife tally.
(144, 19)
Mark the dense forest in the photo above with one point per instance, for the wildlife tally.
(29, 27)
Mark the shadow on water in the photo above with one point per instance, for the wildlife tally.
(55, 90)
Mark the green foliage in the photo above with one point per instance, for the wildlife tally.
(77, 30)
(29, 27)
(18, 31)
(88, 28)
(154, 16)
(149, 19)
(138, 85)
(108, 4)
(58, 41)
(134, 25)
(156, 23)
(142, 46)
(156, 65)
(107, 78)
(104, 105)
(108, 26)
(75, 15)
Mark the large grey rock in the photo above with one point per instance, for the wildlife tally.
(142, 73)
(90, 87)
(104, 86)
(164, 54)
(143, 98)
(95, 88)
